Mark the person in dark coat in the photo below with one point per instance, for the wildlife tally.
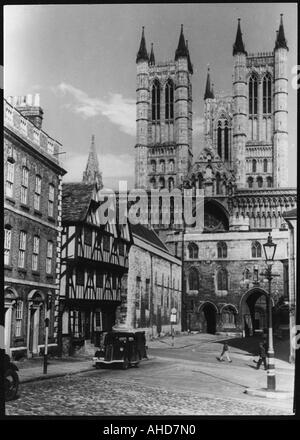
(262, 356)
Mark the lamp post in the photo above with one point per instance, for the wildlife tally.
(270, 249)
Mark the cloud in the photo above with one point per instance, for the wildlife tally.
(117, 109)
(113, 167)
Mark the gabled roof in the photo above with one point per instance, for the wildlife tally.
(148, 235)
(76, 200)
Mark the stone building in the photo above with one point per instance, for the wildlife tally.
(94, 261)
(153, 285)
(32, 218)
(242, 170)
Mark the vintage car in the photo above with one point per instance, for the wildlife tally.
(123, 348)
(11, 379)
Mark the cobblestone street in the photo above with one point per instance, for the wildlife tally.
(161, 386)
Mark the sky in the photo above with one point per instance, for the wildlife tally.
(81, 60)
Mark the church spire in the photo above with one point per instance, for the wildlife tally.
(181, 50)
(281, 40)
(190, 66)
(142, 54)
(152, 57)
(238, 46)
(92, 173)
(209, 94)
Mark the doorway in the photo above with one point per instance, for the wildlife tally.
(34, 319)
(210, 319)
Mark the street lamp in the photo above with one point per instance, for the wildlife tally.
(270, 249)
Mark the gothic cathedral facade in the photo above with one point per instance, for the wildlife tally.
(243, 170)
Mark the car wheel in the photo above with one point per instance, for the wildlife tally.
(11, 385)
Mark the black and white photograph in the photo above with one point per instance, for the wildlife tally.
(150, 212)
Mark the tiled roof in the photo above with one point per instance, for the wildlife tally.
(76, 199)
(148, 235)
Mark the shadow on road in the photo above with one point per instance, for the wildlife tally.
(251, 344)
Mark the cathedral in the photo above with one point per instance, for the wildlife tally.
(242, 169)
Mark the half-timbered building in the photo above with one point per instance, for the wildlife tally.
(94, 260)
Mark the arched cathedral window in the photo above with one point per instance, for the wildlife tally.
(259, 182)
(269, 181)
(193, 279)
(267, 93)
(256, 249)
(169, 100)
(265, 165)
(223, 138)
(222, 279)
(193, 250)
(222, 249)
(156, 101)
(253, 87)
(250, 182)
(254, 165)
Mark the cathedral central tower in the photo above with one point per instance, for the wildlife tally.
(163, 152)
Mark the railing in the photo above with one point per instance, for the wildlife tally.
(46, 145)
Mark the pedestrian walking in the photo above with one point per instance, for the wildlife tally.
(225, 352)
(262, 356)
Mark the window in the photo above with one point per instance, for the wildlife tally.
(222, 249)
(193, 250)
(19, 317)
(7, 244)
(37, 193)
(222, 279)
(162, 183)
(22, 249)
(269, 182)
(171, 183)
(259, 182)
(219, 139)
(253, 82)
(10, 179)
(254, 165)
(35, 253)
(147, 294)
(24, 185)
(265, 165)
(162, 166)
(156, 101)
(88, 236)
(106, 242)
(218, 183)
(226, 141)
(267, 93)
(99, 279)
(153, 166)
(169, 100)
(256, 249)
(51, 201)
(80, 277)
(250, 182)
(121, 248)
(193, 279)
(171, 165)
(49, 257)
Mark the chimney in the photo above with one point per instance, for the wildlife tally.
(29, 107)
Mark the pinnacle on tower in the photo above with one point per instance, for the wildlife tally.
(190, 66)
(92, 173)
(142, 54)
(181, 50)
(209, 94)
(152, 57)
(281, 40)
(238, 46)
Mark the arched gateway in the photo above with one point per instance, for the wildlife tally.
(254, 311)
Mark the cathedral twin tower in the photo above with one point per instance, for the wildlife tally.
(247, 130)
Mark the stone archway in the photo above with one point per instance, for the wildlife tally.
(208, 317)
(254, 311)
